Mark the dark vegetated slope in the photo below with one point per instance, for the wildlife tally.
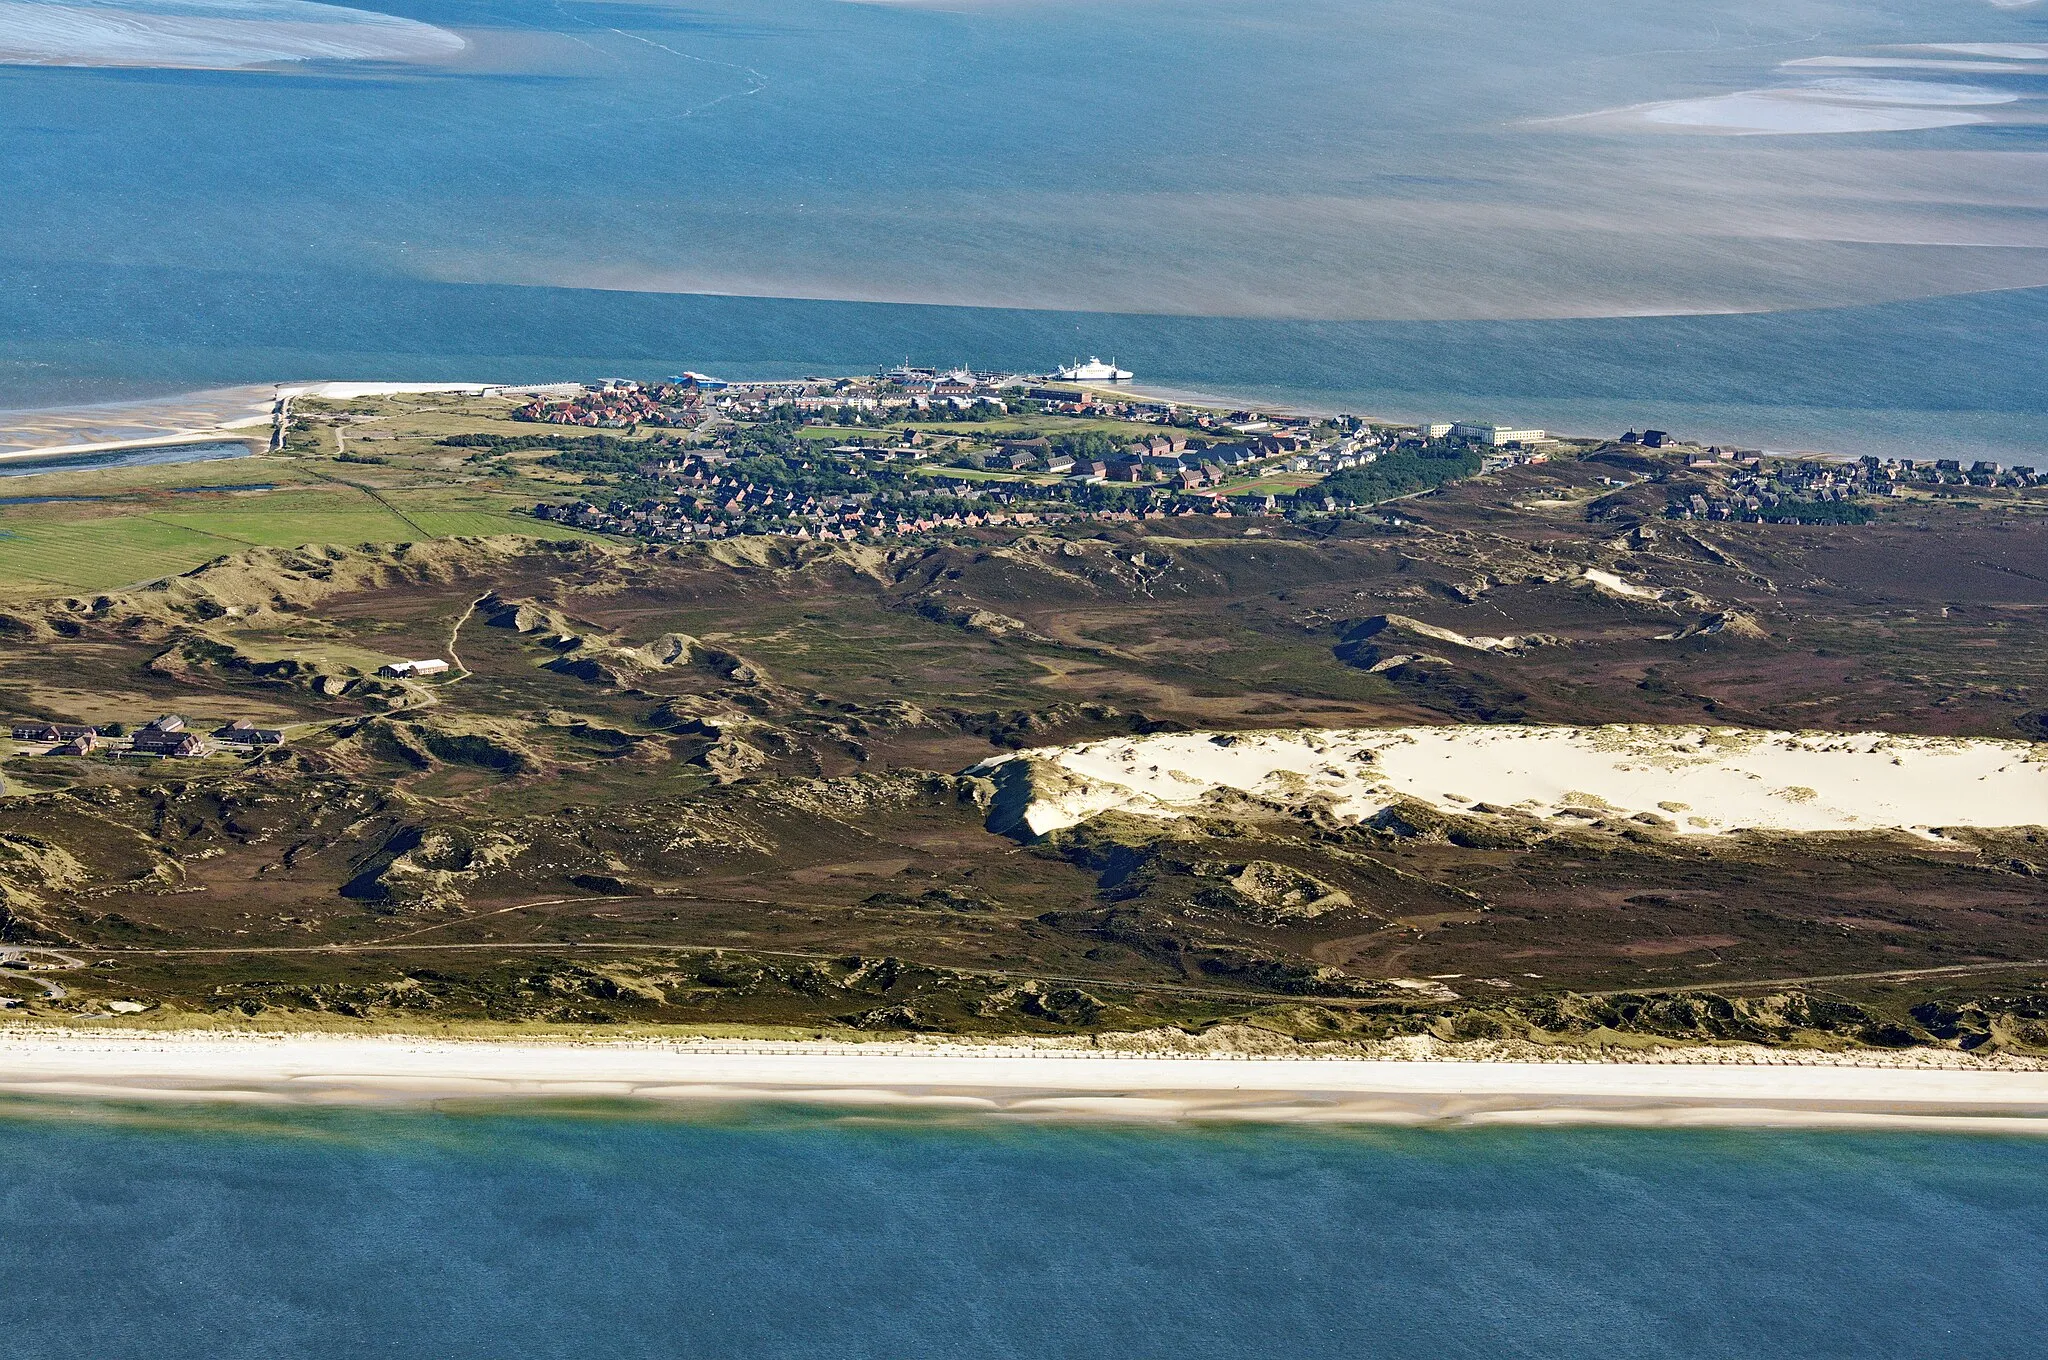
(724, 785)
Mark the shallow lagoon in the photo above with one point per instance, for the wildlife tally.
(160, 455)
(627, 1232)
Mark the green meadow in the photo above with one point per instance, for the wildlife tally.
(149, 523)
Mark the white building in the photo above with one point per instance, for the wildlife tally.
(1435, 430)
(413, 669)
(1494, 435)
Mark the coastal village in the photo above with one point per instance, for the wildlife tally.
(924, 451)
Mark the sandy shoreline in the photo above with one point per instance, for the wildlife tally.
(1704, 1089)
(215, 415)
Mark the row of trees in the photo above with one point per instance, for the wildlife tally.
(1398, 472)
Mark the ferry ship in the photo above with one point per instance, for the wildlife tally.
(906, 374)
(1094, 371)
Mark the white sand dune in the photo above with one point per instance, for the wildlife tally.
(1400, 1086)
(1692, 780)
(210, 34)
(1615, 585)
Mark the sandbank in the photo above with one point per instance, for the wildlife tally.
(1676, 1088)
(211, 34)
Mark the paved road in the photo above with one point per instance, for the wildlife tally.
(61, 961)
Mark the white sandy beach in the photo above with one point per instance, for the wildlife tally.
(213, 416)
(1702, 1087)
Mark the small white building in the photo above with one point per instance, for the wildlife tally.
(402, 670)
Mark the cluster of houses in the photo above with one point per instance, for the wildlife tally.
(1755, 488)
(1171, 473)
(953, 382)
(167, 737)
(686, 399)
(1951, 472)
(651, 520)
(618, 405)
(1182, 467)
(753, 509)
(746, 509)
(1158, 458)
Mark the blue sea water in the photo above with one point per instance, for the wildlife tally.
(611, 1232)
(1400, 207)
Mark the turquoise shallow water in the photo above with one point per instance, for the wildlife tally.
(619, 1233)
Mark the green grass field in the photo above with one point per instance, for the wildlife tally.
(981, 475)
(85, 546)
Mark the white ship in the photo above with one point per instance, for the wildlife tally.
(905, 375)
(1093, 371)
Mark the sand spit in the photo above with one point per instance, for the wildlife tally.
(220, 414)
(1688, 780)
(1686, 1087)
